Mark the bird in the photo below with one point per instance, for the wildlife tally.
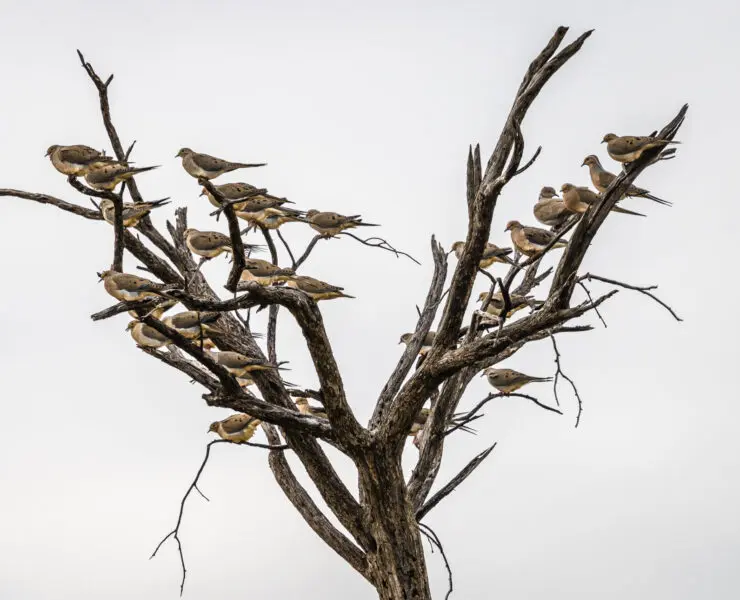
(133, 212)
(238, 428)
(238, 190)
(76, 160)
(531, 240)
(580, 199)
(272, 218)
(425, 345)
(193, 324)
(507, 381)
(628, 148)
(158, 310)
(496, 303)
(129, 288)
(601, 178)
(305, 408)
(329, 224)
(264, 272)
(207, 244)
(107, 177)
(421, 419)
(491, 254)
(146, 336)
(209, 167)
(315, 288)
(550, 210)
(241, 365)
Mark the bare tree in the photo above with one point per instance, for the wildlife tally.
(382, 524)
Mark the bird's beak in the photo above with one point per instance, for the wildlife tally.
(583, 163)
(177, 155)
(602, 141)
(482, 373)
(100, 277)
(508, 228)
(203, 193)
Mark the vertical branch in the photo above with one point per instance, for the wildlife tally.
(272, 317)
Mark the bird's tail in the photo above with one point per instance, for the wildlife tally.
(247, 165)
(624, 211)
(158, 203)
(543, 379)
(343, 295)
(138, 170)
(656, 199)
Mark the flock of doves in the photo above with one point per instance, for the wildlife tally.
(105, 173)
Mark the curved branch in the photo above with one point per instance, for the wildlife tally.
(88, 213)
(378, 242)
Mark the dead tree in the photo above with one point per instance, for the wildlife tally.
(382, 523)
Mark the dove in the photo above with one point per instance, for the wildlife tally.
(531, 240)
(235, 191)
(107, 177)
(629, 148)
(76, 160)
(420, 421)
(158, 310)
(507, 381)
(264, 272)
(129, 288)
(425, 345)
(305, 408)
(491, 254)
(209, 167)
(241, 365)
(192, 324)
(237, 428)
(601, 178)
(133, 212)
(207, 244)
(272, 218)
(580, 199)
(316, 289)
(496, 304)
(551, 210)
(146, 336)
(329, 224)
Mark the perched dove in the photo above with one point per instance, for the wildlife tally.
(426, 344)
(192, 324)
(109, 176)
(128, 288)
(305, 408)
(496, 304)
(316, 289)
(629, 148)
(507, 381)
(272, 218)
(551, 210)
(241, 365)
(601, 178)
(531, 240)
(237, 428)
(491, 254)
(329, 224)
(580, 199)
(157, 311)
(421, 419)
(147, 336)
(208, 244)
(76, 160)
(235, 191)
(209, 167)
(264, 272)
(133, 212)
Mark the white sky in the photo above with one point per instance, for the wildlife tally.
(370, 110)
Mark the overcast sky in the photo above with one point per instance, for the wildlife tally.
(370, 110)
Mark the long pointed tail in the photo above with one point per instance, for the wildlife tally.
(624, 211)
(656, 199)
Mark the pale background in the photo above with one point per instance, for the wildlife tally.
(370, 110)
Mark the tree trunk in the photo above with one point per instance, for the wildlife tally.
(397, 566)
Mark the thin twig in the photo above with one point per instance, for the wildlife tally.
(308, 251)
(642, 289)
(287, 248)
(591, 300)
(378, 242)
(559, 372)
(434, 539)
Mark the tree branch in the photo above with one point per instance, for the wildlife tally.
(453, 484)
